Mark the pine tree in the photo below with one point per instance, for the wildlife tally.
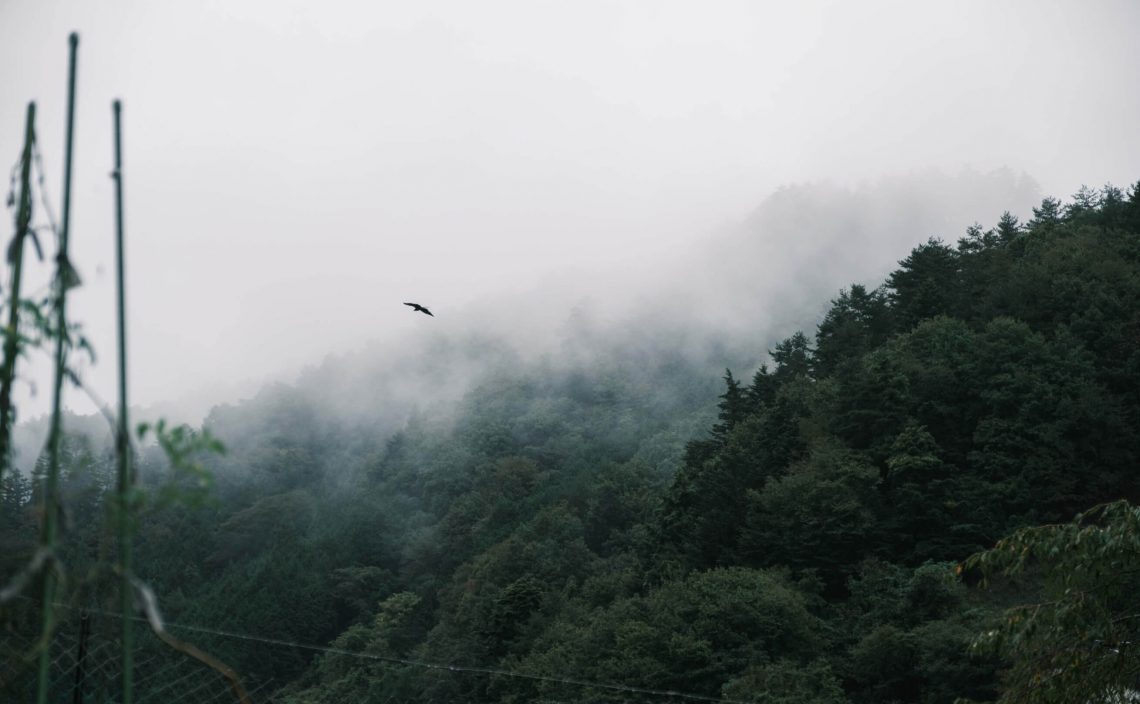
(857, 321)
(733, 407)
(793, 358)
(1047, 216)
(925, 283)
(1008, 227)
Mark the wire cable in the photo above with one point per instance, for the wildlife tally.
(447, 667)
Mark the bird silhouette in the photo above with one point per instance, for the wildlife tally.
(419, 308)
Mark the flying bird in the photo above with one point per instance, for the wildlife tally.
(419, 308)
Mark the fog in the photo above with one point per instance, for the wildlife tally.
(295, 171)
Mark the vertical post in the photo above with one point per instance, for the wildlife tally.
(16, 255)
(81, 660)
(63, 276)
(122, 437)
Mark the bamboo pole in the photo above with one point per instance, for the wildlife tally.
(11, 346)
(122, 437)
(81, 660)
(63, 278)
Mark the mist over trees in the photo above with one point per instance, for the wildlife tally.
(624, 510)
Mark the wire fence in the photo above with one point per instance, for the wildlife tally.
(87, 663)
(86, 666)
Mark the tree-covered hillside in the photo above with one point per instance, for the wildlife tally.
(800, 540)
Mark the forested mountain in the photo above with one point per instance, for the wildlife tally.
(792, 533)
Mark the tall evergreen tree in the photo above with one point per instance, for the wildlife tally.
(1008, 227)
(857, 321)
(925, 284)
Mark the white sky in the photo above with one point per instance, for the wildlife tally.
(295, 170)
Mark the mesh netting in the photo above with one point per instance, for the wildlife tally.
(87, 664)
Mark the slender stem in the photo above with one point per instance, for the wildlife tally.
(62, 280)
(23, 219)
(81, 660)
(122, 439)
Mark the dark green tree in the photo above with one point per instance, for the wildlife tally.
(925, 284)
(858, 321)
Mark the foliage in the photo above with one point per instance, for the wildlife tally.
(183, 447)
(1075, 640)
(786, 682)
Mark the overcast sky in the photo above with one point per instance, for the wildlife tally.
(294, 170)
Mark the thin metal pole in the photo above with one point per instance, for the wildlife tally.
(63, 274)
(81, 660)
(23, 219)
(122, 439)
